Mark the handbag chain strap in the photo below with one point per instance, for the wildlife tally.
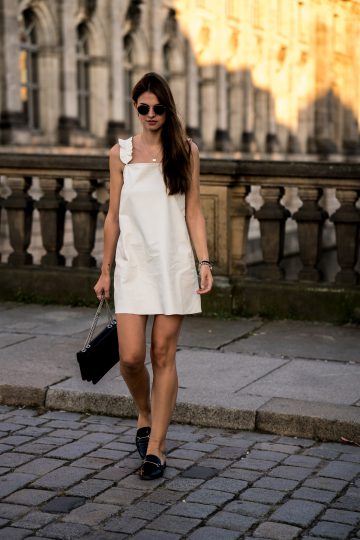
(95, 321)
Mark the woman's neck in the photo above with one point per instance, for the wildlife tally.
(151, 138)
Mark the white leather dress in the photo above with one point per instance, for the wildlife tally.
(155, 270)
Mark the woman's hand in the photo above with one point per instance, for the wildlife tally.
(206, 279)
(102, 286)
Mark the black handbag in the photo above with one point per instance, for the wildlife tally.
(100, 354)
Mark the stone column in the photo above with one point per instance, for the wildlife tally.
(193, 97)
(240, 217)
(222, 140)
(310, 219)
(248, 137)
(99, 104)
(293, 146)
(11, 114)
(69, 118)
(276, 73)
(52, 208)
(272, 217)
(324, 141)
(116, 124)
(236, 99)
(19, 206)
(84, 209)
(347, 224)
(49, 92)
(157, 16)
(208, 106)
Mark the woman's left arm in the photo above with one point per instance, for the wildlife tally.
(195, 222)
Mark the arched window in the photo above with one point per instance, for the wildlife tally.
(83, 79)
(29, 62)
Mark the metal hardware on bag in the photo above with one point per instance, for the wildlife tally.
(112, 322)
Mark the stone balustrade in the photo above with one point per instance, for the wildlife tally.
(227, 192)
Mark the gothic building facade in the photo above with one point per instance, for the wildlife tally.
(254, 76)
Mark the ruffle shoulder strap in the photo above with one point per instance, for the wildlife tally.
(125, 150)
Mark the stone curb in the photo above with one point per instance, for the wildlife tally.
(323, 421)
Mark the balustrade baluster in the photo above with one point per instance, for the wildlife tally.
(1, 206)
(52, 209)
(310, 219)
(19, 206)
(346, 220)
(105, 205)
(272, 217)
(84, 210)
(241, 212)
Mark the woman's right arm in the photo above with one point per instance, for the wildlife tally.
(111, 225)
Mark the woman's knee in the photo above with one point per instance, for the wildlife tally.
(162, 354)
(132, 362)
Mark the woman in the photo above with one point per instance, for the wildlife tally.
(154, 207)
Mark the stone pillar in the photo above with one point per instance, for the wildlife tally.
(49, 92)
(1, 205)
(222, 140)
(19, 206)
(156, 20)
(272, 143)
(310, 219)
(293, 145)
(272, 217)
(347, 222)
(84, 209)
(193, 98)
(116, 125)
(69, 118)
(11, 114)
(99, 104)
(275, 70)
(236, 99)
(208, 106)
(248, 137)
(52, 208)
(324, 141)
(240, 217)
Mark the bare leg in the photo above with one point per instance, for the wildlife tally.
(132, 348)
(165, 333)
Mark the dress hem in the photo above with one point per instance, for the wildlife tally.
(157, 313)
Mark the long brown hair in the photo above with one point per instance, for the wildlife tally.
(176, 147)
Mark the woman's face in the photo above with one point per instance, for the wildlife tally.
(151, 121)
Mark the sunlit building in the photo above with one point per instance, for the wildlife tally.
(249, 76)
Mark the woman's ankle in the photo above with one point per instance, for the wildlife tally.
(157, 448)
(144, 420)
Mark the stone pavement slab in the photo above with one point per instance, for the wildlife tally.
(300, 339)
(287, 377)
(328, 383)
(95, 503)
(207, 333)
(45, 320)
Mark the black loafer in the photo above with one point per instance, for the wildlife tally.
(142, 440)
(152, 468)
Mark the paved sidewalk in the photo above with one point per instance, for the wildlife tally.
(74, 476)
(284, 377)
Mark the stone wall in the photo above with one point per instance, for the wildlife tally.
(259, 77)
(302, 200)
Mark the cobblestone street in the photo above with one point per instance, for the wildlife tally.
(68, 475)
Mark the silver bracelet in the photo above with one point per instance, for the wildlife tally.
(205, 263)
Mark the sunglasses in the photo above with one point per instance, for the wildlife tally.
(144, 109)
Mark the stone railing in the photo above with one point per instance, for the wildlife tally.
(244, 202)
